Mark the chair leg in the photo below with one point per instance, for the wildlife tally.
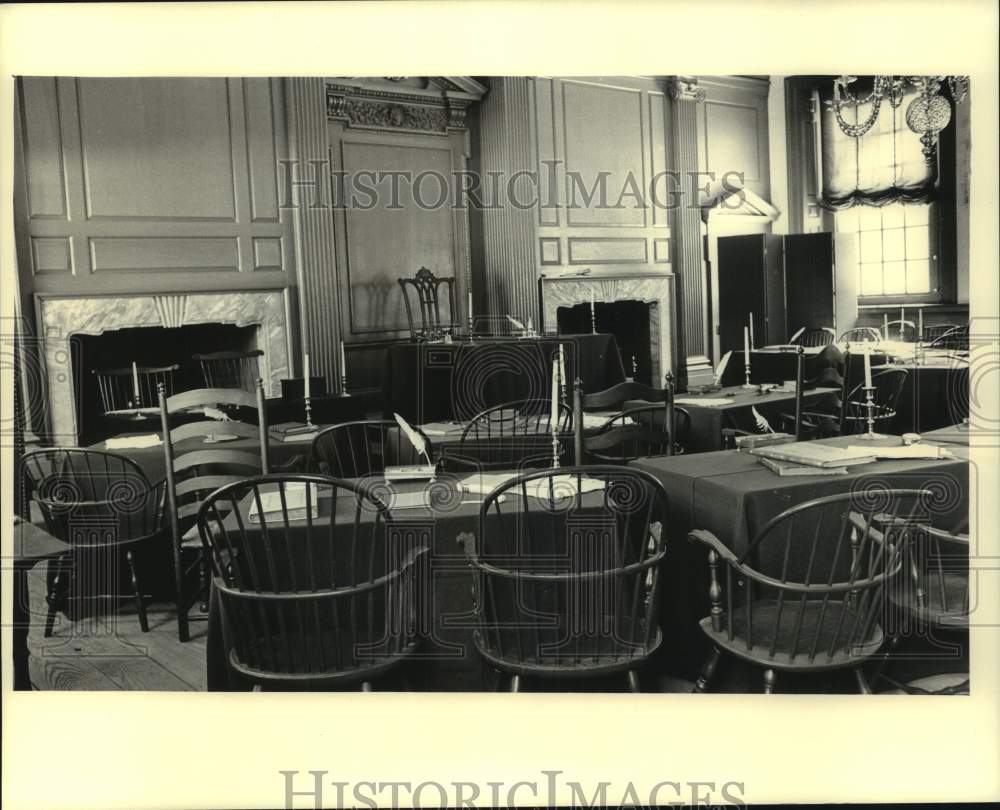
(883, 660)
(769, 680)
(257, 688)
(633, 681)
(515, 683)
(137, 592)
(56, 574)
(707, 671)
(366, 686)
(182, 617)
(203, 581)
(863, 686)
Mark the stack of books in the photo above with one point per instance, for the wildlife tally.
(292, 432)
(810, 458)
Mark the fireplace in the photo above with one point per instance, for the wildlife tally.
(262, 313)
(619, 299)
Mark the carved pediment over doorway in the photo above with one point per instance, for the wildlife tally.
(430, 104)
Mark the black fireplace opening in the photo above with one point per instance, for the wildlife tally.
(628, 321)
(144, 346)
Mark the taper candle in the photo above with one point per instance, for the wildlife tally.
(920, 325)
(305, 373)
(885, 326)
(902, 321)
(746, 344)
(868, 369)
(752, 343)
(343, 359)
(554, 422)
(562, 365)
(135, 385)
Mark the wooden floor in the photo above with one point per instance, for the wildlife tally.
(112, 653)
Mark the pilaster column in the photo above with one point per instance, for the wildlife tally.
(688, 263)
(508, 230)
(316, 259)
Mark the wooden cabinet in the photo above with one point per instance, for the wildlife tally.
(751, 282)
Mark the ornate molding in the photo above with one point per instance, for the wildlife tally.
(685, 88)
(419, 104)
(61, 317)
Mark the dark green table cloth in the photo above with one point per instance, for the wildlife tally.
(426, 382)
(731, 494)
(934, 395)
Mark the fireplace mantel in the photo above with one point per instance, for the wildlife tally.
(657, 289)
(62, 317)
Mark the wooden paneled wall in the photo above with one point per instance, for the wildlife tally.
(150, 185)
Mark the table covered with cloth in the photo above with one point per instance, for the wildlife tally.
(732, 495)
(427, 382)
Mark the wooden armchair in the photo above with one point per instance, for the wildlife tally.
(363, 448)
(566, 582)
(808, 592)
(426, 286)
(231, 369)
(118, 390)
(861, 334)
(513, 435)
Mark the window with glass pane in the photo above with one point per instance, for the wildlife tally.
(895, 250)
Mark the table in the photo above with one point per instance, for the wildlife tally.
(732, 495)
(31, 546)
(447, 659)
(707, 421)
(774, 365)
(150, 459)
(427, 382)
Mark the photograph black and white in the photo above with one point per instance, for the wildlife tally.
(626, 384)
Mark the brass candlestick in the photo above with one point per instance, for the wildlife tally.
(870, 414)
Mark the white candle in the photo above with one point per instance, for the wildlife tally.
(554, 423)
(562, 365)
(470, 307)
(868, 369)
(752, 344)
(885, 326)
(902, 321)
(920, 325)
(531, 325)
(305, 373)
(746, 345)
(343, 360)
(135, 385)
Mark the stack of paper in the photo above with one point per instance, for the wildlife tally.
(911, 451)
(562, 486)
(813, 454)
(708, 402)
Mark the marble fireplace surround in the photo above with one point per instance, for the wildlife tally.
(61, 317)
(655, 289)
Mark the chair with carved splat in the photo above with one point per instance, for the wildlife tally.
(809, 591)
(426, 286)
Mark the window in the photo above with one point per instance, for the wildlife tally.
(897, 249)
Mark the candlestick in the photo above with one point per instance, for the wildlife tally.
(470, 314)
(343, 371)
(746, 357)
(554, 418)
(562, 371)
(870, 417)
(531, 326)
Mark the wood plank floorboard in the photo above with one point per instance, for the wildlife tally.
(112, 652)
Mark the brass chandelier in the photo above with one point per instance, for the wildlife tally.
(926, 115)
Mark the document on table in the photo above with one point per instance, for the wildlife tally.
(484, 483)
(910, 451)
(294, 502)
(708, 402)
(596, 419)
(562, 486)
(443, 428)
(133, 442)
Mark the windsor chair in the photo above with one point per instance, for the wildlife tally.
(363, 448)
(231, 369)
(514, 434)
(118, 388)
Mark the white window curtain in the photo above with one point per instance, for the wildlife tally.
(883, 166)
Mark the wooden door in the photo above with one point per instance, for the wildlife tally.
(809, 280)
(741, 287)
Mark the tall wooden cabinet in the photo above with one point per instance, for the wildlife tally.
(751, 282)
(787, 282)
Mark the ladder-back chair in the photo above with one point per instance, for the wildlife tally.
(809, 591)
(315, 583)
(426, 287)
(198, 460)
(819, 421)
(566, 581)
(231, 369)
(363, 448)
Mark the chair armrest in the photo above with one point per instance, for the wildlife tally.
(705, 537)
(467, 540)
